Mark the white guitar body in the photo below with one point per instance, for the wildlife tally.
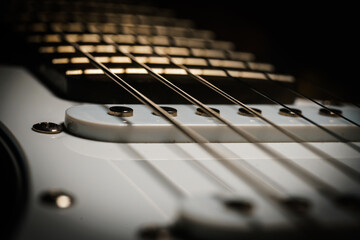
(118, 188)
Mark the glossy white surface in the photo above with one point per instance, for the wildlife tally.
(117, 192)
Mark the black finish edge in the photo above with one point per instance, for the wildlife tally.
(21, 168)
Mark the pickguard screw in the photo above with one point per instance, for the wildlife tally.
(47, 127)
(57, 198)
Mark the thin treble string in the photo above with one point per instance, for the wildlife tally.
(310, 178)
(310, 99)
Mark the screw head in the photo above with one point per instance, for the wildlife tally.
(47, 127)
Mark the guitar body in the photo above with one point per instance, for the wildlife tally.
(73, 169)
(115, 193)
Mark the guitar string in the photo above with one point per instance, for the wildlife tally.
(308, 98)
(263, 186)
(310, 178)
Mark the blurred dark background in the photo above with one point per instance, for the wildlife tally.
(315, 42)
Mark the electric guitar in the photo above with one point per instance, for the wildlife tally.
(126, 122)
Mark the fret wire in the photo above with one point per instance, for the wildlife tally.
(310, 99)
(266, 186)
(312, 179)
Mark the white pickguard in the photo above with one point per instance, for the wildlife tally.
(115, 191)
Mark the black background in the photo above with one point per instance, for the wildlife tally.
(316, 42)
